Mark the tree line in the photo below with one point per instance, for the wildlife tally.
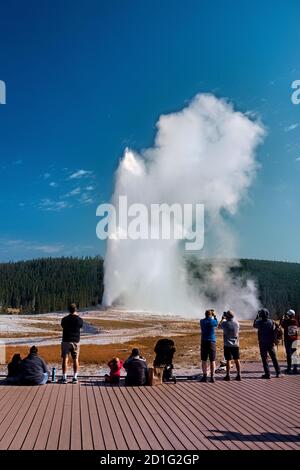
(50, 284)
(277, 282)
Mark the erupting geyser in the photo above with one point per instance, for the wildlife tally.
(203, 154)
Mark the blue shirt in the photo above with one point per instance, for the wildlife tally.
(208, 326)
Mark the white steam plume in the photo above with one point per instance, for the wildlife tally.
(204, 153)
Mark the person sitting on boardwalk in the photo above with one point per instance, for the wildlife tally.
(71, 325)
(115, 366)
(290, 326)
(231, 329)
(136, 368)
(13, 368)
(33, 369)
(208, 343)
(266, 340)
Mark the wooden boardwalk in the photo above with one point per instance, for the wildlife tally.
(252, 414)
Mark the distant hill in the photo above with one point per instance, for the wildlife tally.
(278, 283)
(49, 284)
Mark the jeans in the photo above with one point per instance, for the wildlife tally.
(289, 352)
(266, 349)
(45, 379)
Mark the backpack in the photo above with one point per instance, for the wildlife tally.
(278, 334)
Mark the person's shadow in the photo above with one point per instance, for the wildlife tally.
(262, 437)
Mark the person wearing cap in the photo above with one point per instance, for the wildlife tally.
(33, 369)
(136, 368)
(265, 328)
(208, 344)
(231, 330)
(290, 327)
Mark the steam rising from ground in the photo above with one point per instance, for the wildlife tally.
(204, 153)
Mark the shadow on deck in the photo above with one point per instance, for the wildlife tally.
(250, 415)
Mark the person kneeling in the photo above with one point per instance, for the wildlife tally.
(136, 368)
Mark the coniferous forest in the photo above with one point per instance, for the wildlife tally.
(50, 284)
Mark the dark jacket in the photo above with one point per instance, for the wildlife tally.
(31, 370)
(265, 330)
(71, 325)
(137, 371)
(290, 327)
(13, 369)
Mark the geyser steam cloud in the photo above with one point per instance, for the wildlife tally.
(204, 153)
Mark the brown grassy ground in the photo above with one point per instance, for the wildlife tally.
(187, 345)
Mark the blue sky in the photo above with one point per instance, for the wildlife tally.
(87, 78)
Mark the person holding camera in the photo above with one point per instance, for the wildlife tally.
(290, 327)
(231, 330)
(208, 343)
(266, 339)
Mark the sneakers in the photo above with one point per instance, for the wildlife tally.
(74, 381)
(279, 375)
(227, 378)
(212, 380)
(204, 378)
(295, 370)
(63, 381)
(238, 378)
(265, 376)
(288, 371)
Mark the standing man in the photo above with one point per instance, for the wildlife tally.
(71, 325)
(208, 344)
(231, 330)
(266, 340)
(290, 326)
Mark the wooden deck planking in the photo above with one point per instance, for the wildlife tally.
(187, 427)
(65, 431)
(44, 432)
(275, 422)
(172, 431)
(107, 434)
(201, 421)
(53, 439)
(252, 414)
(117, 410)
(12, 413)
(138, 423)
(86, 425)
(28, 433)
(228, 420)
(16, 428)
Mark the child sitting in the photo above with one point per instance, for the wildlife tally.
(115, 366)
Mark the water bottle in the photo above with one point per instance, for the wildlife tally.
(53, 374)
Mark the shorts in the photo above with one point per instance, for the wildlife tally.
(231, 352)
(70, 348)
(208, 350)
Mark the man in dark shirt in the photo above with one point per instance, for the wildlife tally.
(71, 325)
(266, 327)
(33, 369)
(136, 368)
